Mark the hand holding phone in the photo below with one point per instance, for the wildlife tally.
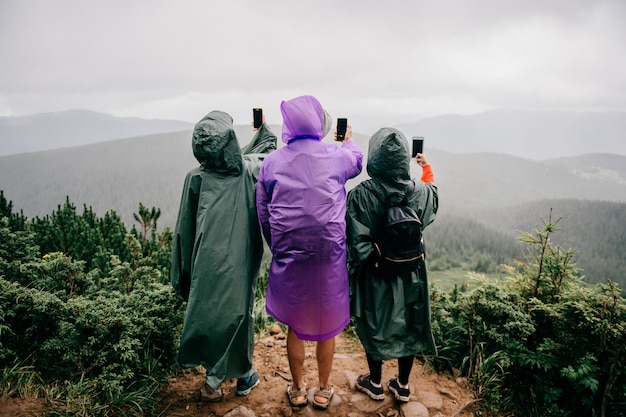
(418, 145)
(342, 125)
(257, 117)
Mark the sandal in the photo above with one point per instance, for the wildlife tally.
(324, 393)
(292, 394)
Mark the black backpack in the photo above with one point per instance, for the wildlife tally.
(400, 242)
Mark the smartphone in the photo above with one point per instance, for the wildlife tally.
(257, 117)
(342, 125)
(418, 145)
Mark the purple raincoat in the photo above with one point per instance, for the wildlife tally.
(301, 204)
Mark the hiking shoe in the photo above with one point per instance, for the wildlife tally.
(364, 384)
(401, 394)
(209, 394)
(245, 385)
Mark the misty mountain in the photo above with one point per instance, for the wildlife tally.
(488, 180)
(69, 128)
(503, 192)
(535, 135)
(113, 175)
(595, 229)
(150, 169)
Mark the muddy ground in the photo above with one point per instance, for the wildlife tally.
(433, 395)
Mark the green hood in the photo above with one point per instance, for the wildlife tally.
(388, 156)
(215, 145)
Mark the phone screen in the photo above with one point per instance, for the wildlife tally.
(342, 125)
(257, 117)
(418, 145)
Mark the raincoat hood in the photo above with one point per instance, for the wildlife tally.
(304, 118)
(215, 145)
(388, 156)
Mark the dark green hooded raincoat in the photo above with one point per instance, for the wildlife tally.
(217, 249)
(391, 313)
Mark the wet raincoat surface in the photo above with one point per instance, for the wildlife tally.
(392, 313)
(217, 249)
(301, 207)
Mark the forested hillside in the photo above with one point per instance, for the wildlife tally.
(595, 229)
(484, 198)
(151, 169)
(112, 175)
(484, 239)
(489, 180)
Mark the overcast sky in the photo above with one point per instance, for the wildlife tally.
(377, 63)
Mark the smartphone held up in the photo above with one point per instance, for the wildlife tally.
(342, 125)
(257, 117)
(418, 145)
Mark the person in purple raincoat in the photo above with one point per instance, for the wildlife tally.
(301, 204)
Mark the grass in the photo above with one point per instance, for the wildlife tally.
(80, 398)
(20, 381)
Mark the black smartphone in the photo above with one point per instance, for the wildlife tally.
(257, 117)
(342, 125)
(418, 145)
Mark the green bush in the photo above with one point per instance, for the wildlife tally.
(89, 320)
(542, 343)
(99, 341)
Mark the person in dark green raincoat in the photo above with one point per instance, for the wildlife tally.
(391, 313)
(217, 252)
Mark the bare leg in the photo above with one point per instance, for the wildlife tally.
(325, 352)
(295, 354)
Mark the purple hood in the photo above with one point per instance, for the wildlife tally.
(304, 118)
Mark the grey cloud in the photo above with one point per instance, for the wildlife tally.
(379, 61)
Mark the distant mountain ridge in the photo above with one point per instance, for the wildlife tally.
(46, 131)
(537, 135)
(487, 187)
(150, 169)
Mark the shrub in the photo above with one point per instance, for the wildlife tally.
(542, 343)
(98, 341)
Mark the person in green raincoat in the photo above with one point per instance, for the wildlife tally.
(217, 252)
(391, 313)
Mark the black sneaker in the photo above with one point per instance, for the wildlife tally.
(401, 394)
(245, 385)
(364, 384)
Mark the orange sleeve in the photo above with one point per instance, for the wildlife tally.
(427, 174)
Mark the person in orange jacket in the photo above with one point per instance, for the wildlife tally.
(391, 309)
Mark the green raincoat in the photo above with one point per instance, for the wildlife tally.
(391, 313)
(217, 249)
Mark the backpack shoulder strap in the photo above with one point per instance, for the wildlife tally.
(386, 201)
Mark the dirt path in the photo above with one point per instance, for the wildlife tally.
(433, 395)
